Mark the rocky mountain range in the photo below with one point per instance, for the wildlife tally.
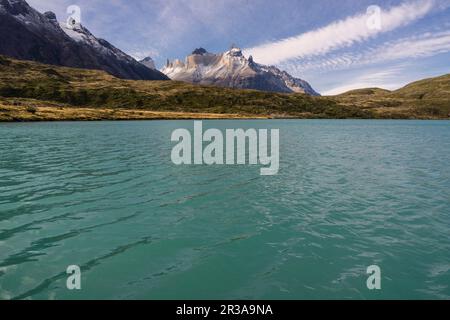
(232, 69)
(29, 35)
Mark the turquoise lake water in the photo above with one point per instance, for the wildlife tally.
(106, 196)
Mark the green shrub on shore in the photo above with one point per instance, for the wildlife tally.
(31, 109)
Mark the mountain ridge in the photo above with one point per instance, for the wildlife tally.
(29, 35)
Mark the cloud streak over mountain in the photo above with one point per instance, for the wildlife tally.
(340, 34)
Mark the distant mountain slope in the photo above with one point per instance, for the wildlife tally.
(27, 34)
(34, 88)
(231, 69)
(149, 63)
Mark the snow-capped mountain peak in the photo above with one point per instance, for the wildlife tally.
(233, 69)
(234, 52)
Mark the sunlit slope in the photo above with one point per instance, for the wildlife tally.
(54, 86)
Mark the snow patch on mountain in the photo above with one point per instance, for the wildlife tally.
(82, 35)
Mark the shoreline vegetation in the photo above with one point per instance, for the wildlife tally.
(32, 113)
(31, 91)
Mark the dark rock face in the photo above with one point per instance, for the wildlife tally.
(15, 7)
(199, 51)
(29, 35)
(50, 15)
(263, 82)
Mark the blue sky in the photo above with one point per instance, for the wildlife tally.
(335, 45)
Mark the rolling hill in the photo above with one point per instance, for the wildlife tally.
(31, 91)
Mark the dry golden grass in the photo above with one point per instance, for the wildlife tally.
(9, 113)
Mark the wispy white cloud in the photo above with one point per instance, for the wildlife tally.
(340, 34)
(418, 46)
(427, 44)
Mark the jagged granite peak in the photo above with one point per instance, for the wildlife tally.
(149, 63)
(232, 69)
(200, 51)
(30, 35)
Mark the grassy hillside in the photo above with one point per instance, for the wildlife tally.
(425, 99)
(27, 87)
